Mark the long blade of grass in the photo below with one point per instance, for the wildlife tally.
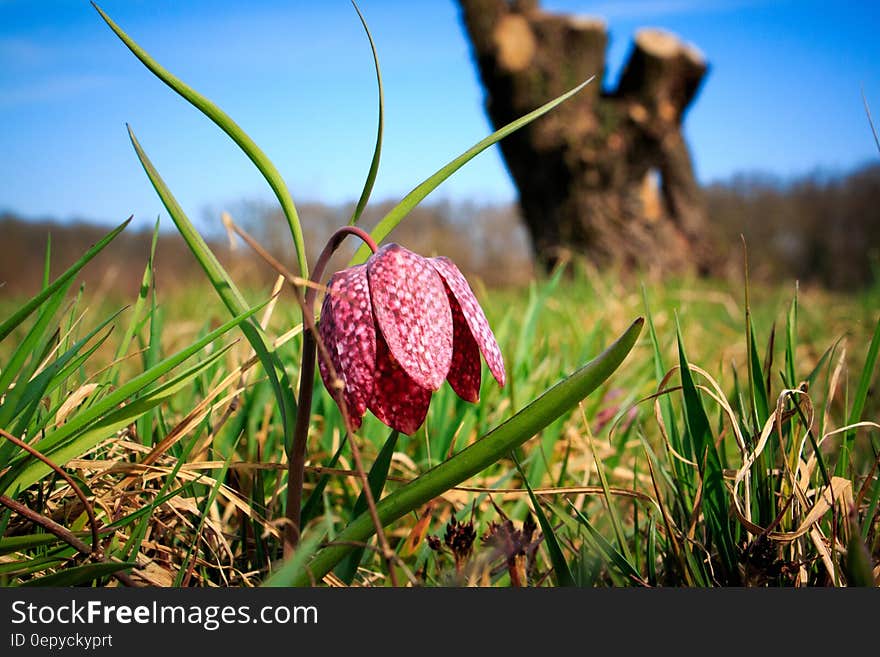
(411, 200)
(561, 570)
(77, 575)
(27, 566)
(791, 324)
(27, 355)
(64, 449)
(377, 151)
(611, 554)
(859, 400)
(228, 292)
(756, 379)
(121, 394)
(203, 516)
(715, 494)
(227, 125)
(313, 504)
(138, 309)
(25, 310)
(376, 478)
(498, 443)
(25, 542)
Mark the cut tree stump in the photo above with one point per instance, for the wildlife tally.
(607, 174)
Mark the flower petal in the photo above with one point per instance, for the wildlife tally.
(464, 373)
(349, 335)
(397, 400)
(413, 314)
(474, 315)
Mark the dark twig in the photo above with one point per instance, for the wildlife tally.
(90, 510)
(61, 532)
(311, 344)
(870, 120)
(387, 552)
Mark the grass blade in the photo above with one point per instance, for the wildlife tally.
(791, 324)
(411, 200)
(24, 542)
(377, 152)
(311, 507)
(227, 291)
(376, 478)
(80, 574)
(137, 311)
(861, 396)
(499, 442)
(225, 123)
(611, 554)
(715, 494)
(561, 571)
(26, 309)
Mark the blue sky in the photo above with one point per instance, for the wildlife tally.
(782, 96)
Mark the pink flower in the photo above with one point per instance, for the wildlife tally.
(395, 328)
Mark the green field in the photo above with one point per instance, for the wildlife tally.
(186, 475)
(656, 432)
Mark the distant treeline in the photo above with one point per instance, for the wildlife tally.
(823, 229)
(819, 229)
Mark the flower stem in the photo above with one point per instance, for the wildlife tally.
(297, 456)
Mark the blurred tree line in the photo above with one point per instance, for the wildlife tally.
(821, 229)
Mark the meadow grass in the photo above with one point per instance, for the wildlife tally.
(732, 441)
(714, 481)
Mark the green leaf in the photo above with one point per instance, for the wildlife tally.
(80, 574)
(377, 152)
(294, 569)
(791, 324)
(376, 478)
(858, 406)
(411, 200)
(611, 554)
(27, 566)
(561, 570)
(25, 542)
(62, 451)
(495, 445)
(227, 291)
(757, 383)
(312, 506)
(138, 310)
(85, 419)
(22, 313)
(225, 123)
(715, 499)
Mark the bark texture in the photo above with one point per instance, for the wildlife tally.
(607, 174)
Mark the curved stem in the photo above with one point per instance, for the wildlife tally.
(90, 511)
(333, 244)
(297, 456)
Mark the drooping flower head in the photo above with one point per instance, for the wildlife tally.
(398, 326)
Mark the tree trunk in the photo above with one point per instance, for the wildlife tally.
(608, 173)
